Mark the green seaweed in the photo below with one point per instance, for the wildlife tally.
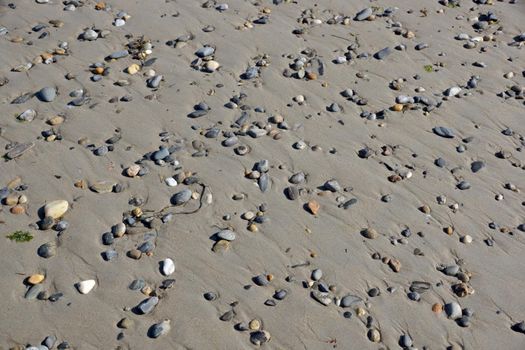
(428, 68)
(20, 236)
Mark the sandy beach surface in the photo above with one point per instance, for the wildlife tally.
(236, 174)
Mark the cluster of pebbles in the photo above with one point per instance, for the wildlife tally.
(243, 175)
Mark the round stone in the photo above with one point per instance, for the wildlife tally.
(47, 94)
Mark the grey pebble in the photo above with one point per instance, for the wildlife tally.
(137, 284)
(443, 132)
(280, 294)
(154, 82)
(383, 53)
(226, 235)
(453, 310)
(463, 185)
(47, 250)
(349, 300)
(181, 197)
(364, 14)
(33, 291)
(317, 274)
(159, 329)
(477, 166)
(47, 94)
(260, 280)
(147, 305)
(119, 54)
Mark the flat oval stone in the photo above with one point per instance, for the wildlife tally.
(364, 14)
(19, 150)
(280, 294)
(260, 280)
(181, 197)
(226, 235)
(119, 54)
(350, 300)
(205, 51)
(33, 291)
(444, 132)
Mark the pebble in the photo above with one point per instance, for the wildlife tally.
(364, 14)
(147, 305)
(47, 250)
(444, 132)
(259, 338)
(227, 235)
(181, 197)
(159, 329)
(84, 287)
(47, 94)
(167, 267)
(453, 310)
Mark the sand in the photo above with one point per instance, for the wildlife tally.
(330, 240)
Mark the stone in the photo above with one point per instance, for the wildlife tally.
(453, 91)
(227, 235)
(18, 150)
(323, 298)
(317, 274)
(84, 287)
(383, 53)
(259, 338)
(370, 233)
(349, 300)
(119, 229)
(313, 206)
(133, 170)
(125, 323)
(47, 250)
(374, 335)
(211, 66)
(181, 197)
(159, 329)
(36, 279)
(90, 35)
(47, 94)
(364, 14)
(453, 310)
(443, 132)
(27, 116)
(477, 166)
(147, 305)
(133, 69)
(221, 246)
(167, 267)
(33, 291)
(102, 186)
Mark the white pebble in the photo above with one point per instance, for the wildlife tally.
(170, 182)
